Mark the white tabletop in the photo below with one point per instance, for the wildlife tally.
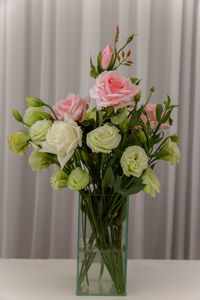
(55, 280)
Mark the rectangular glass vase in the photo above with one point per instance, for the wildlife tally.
(102, 245)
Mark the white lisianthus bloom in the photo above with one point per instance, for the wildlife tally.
(174, 153)
(78, 179)
(39, 130)
(134, 161)
(152, 184)
(62, 139)
(103, 139)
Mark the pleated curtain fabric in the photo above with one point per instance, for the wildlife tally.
(45, 47)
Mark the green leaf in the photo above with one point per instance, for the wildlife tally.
(130, 141)
(167, 103)
(162, 153)
(136, 187)
(17, 116)
(166, 116)
(133, 120)
(157, 140)
(119, 117)
(109, 178)
(117, 184)
(135, 117)
(159, 111)
(124, 125)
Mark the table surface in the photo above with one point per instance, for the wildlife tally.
(22, 279)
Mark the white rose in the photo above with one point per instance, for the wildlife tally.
(62, 139)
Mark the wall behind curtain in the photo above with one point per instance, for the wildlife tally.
(44, 51)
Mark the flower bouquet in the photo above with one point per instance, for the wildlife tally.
(107, 154)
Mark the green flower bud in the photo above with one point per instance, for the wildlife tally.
(173, 150)
(142, 136)
(17, 116)
(175, 138)
(18, 142)
(39, 160)
(35, 102)
(124, 125)
(137, 96)
(39, 130)
(152, 89)
(78, 179)
(31, 116)
(58, 179)
(152, 184)
(134, 161)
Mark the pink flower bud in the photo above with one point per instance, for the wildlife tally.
(106, 56)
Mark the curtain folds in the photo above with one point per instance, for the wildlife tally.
(45, 47)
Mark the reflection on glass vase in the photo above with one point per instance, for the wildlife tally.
(102, 245)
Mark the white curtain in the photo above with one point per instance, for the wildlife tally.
(44, 51)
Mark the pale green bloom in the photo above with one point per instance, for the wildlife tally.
(103, 139)
(78, 179)
(31, 115)
(174, 152)
(134, 161)
(58, 179)
(62, 139)
(39, 160)
(39, 130)
(152, 184)
(18, 142)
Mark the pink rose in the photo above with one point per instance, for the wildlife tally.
(111, 89)
(106, 57)
(74, 106)
(151, 113)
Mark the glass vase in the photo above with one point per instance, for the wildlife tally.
(102, 245)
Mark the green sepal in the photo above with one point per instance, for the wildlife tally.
(99, 63)
(135, 80)
(159, 111)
